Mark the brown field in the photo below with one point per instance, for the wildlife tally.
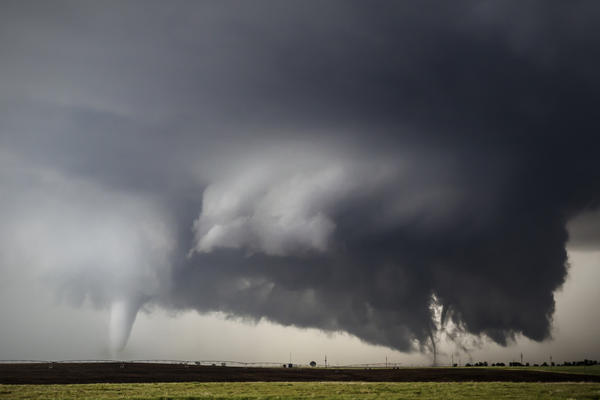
(73, 373)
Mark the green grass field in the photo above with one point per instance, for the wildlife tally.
(304, 390)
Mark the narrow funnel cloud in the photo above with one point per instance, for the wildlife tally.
(122, 317)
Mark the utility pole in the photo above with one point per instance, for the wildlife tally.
(325, 360)
(453, 359)
(386, 361)
(521, 358)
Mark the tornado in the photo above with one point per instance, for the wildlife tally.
(123, 312)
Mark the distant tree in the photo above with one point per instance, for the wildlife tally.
(313, 364)
(515, 364)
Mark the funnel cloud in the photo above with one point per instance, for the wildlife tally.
(122, 317)
(339, 166)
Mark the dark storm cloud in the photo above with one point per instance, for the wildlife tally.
(329, 165)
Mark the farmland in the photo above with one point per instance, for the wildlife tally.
(122, 372)
(304, 390)
(144, 381)
(585, 370)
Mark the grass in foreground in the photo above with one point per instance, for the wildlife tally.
(304, 390)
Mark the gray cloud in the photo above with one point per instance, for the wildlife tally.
(319, 165)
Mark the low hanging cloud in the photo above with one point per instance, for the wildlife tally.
(332, 166)
(365, 247)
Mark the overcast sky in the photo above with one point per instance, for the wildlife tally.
(242, 180)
